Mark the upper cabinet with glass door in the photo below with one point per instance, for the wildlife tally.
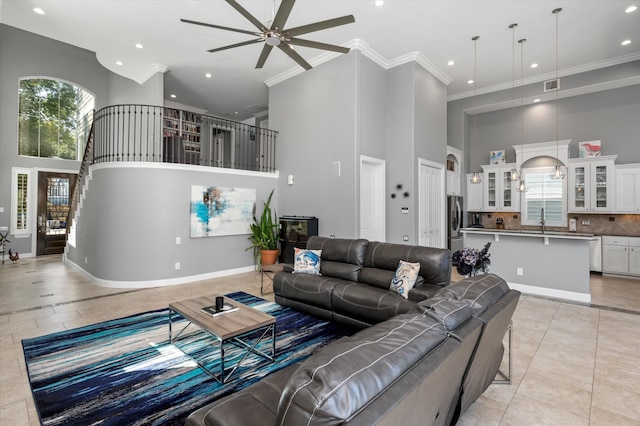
(591, 184)
(500, 193)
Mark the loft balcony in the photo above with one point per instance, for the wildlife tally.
(144, 133)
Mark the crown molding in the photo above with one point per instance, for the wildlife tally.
(550, 76)
(149, 72)
(369, 52)
(551, 96)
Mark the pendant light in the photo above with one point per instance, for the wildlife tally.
(514, 175)
(475, 176)
(557, 173)
(522, 185)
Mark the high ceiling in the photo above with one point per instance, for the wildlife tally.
(590, 36)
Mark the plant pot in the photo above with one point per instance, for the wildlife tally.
(268, 257)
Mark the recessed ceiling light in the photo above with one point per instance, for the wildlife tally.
(450, 63)
(208, 75)
(624, 43)
(631, 9)
(139, 46)
(173, 96)
(470, 82)
(38, 11)
(536, 100)
(379, 3)
(119, 63)
(534, 65)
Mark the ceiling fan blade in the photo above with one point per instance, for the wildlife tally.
(295, 56)
(231, 46)
(259, 25)
(317, 26)
(283, 14)
(318, 45)
(220, 27)
(264, 55)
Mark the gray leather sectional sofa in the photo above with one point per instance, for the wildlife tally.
(353, 287)
(425, 366)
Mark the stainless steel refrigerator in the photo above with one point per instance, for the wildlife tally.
(455, 240)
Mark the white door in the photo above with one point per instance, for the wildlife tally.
(372, 199)
(432, 214)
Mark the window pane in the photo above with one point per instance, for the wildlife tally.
(54, 116)
(21, 205)
(544, 193)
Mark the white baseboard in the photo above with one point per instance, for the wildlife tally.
(159, 283)
(550, 292)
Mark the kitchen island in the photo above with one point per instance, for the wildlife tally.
(552, 264)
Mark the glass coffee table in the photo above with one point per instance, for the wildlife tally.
(228, 328)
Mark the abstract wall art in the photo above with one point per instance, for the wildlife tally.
(217, 211)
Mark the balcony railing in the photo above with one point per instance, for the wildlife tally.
(147, 133)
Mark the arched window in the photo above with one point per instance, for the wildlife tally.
(54, 118)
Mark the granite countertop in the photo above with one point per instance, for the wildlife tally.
(529, 233)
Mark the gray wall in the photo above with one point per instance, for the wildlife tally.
(346, 108)
(131, 217)
(315, 115)
(607, 115)
(416, 117)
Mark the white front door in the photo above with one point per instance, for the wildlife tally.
(431, 187)
(372, 199)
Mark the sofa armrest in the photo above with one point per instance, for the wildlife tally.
(423, 291)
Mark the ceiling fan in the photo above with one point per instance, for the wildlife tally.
(276, 36)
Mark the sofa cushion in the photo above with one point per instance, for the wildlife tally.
(404, 278)
(422, 290)
(341, 258)
(450, 313)
(435, 263)
(306, 261)
(481, 291)
(342, 378)
(367, 303)
(314, 290)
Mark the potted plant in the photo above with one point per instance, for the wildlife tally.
(264, 235)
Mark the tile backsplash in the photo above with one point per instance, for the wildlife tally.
(599, 224)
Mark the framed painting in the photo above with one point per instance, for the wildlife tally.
(217, 211)
(498, 157)
(589, 149)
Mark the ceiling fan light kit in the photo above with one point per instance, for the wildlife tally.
(275, 34)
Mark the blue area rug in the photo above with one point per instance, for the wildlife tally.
(125, 371)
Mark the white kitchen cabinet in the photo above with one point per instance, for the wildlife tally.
(474, 196)
(591, 184)
(499, 192)
(621, 255)
(627, 188)
(634, 256)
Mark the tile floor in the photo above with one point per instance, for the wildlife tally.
(572, 364)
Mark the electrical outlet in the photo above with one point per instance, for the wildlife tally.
(177, 266)
(86, 260)
(520, 271)
(585, 223)
(405, 238)
(178, 240)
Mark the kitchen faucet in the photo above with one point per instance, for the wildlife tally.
(542, 219)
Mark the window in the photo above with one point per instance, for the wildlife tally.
(54, 118)
(544, 193)
(20, 202)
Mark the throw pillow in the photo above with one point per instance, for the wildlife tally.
(306, 261)
(405, 278)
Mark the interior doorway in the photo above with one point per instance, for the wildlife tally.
(54, 198)
(432, 209)
(372, 199)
